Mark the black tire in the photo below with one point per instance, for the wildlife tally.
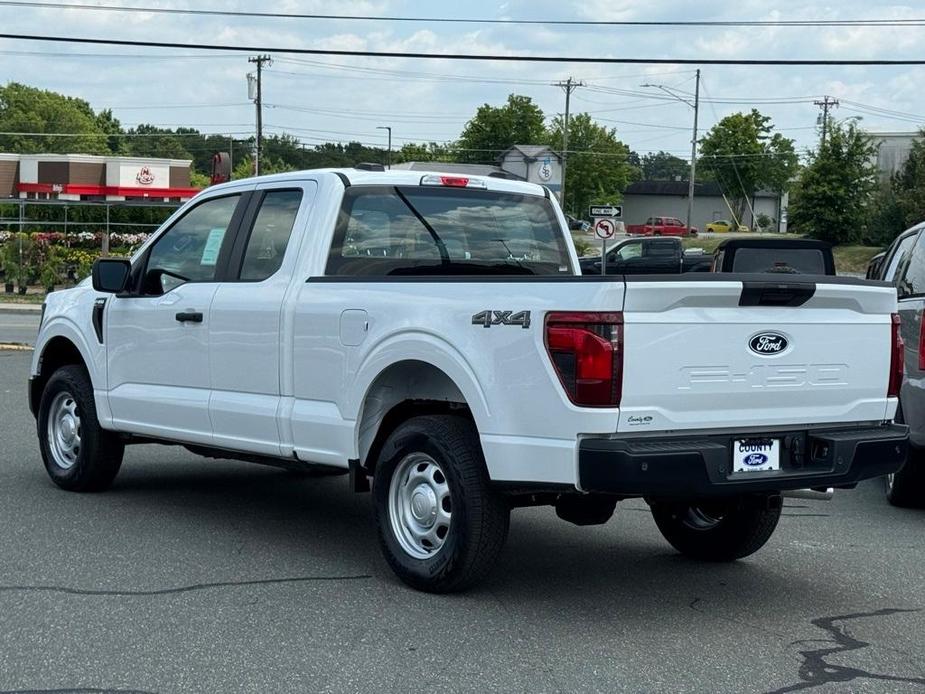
(479, 516)
(723, 530)
(906, 488)
(99, 455)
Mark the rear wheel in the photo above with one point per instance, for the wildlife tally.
(441, 527)
(79, 455)
(906, 488)
(720, 530)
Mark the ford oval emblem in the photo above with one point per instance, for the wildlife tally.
(755, 459)
(768, 344)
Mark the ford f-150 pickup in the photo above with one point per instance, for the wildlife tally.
(432, 336)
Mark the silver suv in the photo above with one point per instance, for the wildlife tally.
(903, 264)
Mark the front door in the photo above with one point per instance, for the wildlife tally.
(158, 339)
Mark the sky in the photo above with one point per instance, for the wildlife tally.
(318, 99)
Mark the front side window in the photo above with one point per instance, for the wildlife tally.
(630, 250)
(412, 230)
(270, 234)
(189, 250)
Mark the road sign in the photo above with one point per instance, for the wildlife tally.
(604, 229)
(612, 211)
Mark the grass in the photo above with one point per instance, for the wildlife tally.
(26, 299)
(854, 259)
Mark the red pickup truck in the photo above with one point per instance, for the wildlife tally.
(660, 226)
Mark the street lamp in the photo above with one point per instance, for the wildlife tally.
(696, 106)
(389, 155)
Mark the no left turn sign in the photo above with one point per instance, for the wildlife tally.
(604, 228)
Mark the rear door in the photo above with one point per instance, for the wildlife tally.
(909, 273)
(245, 318)
(719, 354)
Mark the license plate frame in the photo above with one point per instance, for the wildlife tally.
(755, 454)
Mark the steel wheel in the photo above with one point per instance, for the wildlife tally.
(64, 430)
(420, 510)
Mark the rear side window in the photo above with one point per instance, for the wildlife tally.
(409, 230)
(899, 257)
(802, 261)
(913, 277)
(270, 234)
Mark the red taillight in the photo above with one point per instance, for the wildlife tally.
(454, 181)
(897, 359)
(586, 350)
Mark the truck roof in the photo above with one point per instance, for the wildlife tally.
(396, 177)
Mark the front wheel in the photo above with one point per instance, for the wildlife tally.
(79, 455)
(720, 530)
(440, 525)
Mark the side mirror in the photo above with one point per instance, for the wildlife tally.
(111, 275)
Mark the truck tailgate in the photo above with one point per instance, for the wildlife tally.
(724, 353)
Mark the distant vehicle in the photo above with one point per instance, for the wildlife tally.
(661, 226)
(574, 224)
(903, 265)
(648, 256)
(723, 226)
(784, 256)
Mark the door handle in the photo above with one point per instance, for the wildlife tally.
(189, 316)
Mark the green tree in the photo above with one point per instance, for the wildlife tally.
(598, 164)
(494, 129)
(413, 151)
(744, 155)
(37, 112)
(151, 141)
(832, 200)
(908, 184)
(662, 166)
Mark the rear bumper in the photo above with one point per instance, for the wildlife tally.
(697, 466)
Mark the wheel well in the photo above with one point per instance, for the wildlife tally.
(57, 353)
(404, 390)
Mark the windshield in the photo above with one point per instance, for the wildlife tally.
(806, 261)
(385, 230)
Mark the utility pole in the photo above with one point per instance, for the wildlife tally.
(696, 106)
(826, 103)
(693, 176)
(258, 102)
(569, 86)
(388, 159)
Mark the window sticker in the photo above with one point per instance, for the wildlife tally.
(213, 245)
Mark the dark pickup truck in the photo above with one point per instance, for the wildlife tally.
(784, 256)
(648, 256)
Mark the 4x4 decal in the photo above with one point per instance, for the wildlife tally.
(489, 318)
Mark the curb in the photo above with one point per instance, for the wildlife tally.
(20, 308)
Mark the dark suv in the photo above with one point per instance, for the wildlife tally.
(903, 264)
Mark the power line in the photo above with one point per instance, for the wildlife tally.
(463, 56)
(911, 22)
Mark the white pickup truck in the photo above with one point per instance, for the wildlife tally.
(432, 335)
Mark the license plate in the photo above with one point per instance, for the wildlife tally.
(755, 455)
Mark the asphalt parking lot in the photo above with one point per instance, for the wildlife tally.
(193, 575)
